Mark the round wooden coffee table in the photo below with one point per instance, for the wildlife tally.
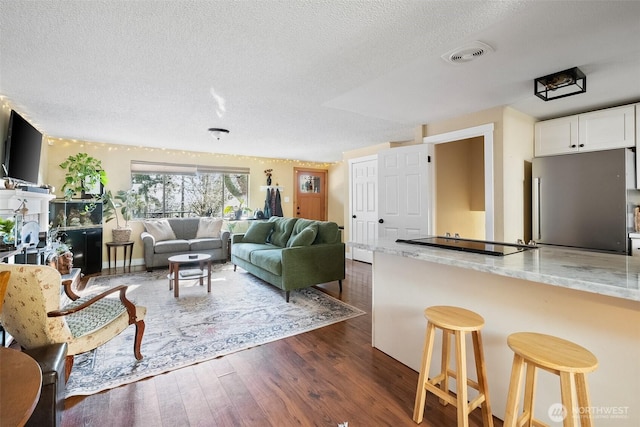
(21, 380)
(175, 274)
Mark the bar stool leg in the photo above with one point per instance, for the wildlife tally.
(513, 395)
(566, 394)
(421, 393)
(444, 364)
(583, 400)
(481, 372)
(461, 380)
(529, 393)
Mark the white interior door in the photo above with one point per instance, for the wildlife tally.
(403, 192)
(364, 206)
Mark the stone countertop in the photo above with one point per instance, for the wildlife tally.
(600, 273)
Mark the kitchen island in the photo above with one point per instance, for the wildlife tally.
(590, 298)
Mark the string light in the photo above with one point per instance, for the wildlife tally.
(65, 143)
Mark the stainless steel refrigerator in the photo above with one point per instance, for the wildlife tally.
(585, 200)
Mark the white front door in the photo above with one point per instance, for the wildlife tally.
(403, 192)
(364, 206)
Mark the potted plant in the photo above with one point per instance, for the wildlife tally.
(236, 211)
(83, 173)
(6, 229)
(123, 202)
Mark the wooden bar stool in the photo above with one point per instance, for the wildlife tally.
(561, 357)
(456, 321)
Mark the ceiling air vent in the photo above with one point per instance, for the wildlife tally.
(468, 53)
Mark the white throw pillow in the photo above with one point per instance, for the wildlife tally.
(209, 228)
(160, 229)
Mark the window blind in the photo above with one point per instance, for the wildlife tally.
(142, 167)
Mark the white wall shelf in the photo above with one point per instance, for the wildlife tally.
(268, 187)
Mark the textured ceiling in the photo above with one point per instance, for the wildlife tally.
(297, 79)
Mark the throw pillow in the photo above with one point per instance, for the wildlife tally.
(209, 228)
(257, 232)
(282, 229)
(160, 229)
(305, 237)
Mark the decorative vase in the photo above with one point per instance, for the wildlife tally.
(268, 180)
(239, 214)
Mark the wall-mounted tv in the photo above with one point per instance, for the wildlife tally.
(22, 150)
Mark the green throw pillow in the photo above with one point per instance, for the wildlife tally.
(257, 232)
(305, 237)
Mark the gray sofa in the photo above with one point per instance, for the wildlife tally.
(158, 248)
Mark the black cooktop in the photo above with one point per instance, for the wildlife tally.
(468, 245)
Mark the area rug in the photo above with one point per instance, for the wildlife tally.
(241, 312)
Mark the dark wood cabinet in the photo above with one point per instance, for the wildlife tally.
(86, 245)
(79, 224)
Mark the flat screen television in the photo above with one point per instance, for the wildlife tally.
(22, 150)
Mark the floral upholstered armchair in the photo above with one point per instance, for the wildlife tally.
(33, 315)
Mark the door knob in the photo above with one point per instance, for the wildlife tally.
(381, 220)
(353, 216)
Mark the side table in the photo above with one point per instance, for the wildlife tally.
(21, 379)
(115, 246)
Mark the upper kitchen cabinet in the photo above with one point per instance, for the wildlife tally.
(557, 136)
(597, 130)
(607, 129)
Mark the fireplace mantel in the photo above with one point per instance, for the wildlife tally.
(37, 203)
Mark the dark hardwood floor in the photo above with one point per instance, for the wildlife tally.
(324, 377)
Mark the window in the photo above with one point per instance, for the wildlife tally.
(175, 190)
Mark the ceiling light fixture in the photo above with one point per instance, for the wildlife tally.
(558, 85)
(217, 132)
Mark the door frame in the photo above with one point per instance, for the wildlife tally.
(485, 131)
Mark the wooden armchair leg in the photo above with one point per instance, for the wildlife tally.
(68, 365)
(138, 340)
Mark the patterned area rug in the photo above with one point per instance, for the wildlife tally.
(240, 312)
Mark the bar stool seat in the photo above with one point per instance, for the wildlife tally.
(457, 321)
(555, 355)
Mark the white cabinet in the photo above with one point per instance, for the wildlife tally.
(607, 129)
(597, 130)
(557, 136)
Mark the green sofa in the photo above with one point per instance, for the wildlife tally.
(291, 253)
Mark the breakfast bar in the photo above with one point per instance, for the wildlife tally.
(590, 298)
